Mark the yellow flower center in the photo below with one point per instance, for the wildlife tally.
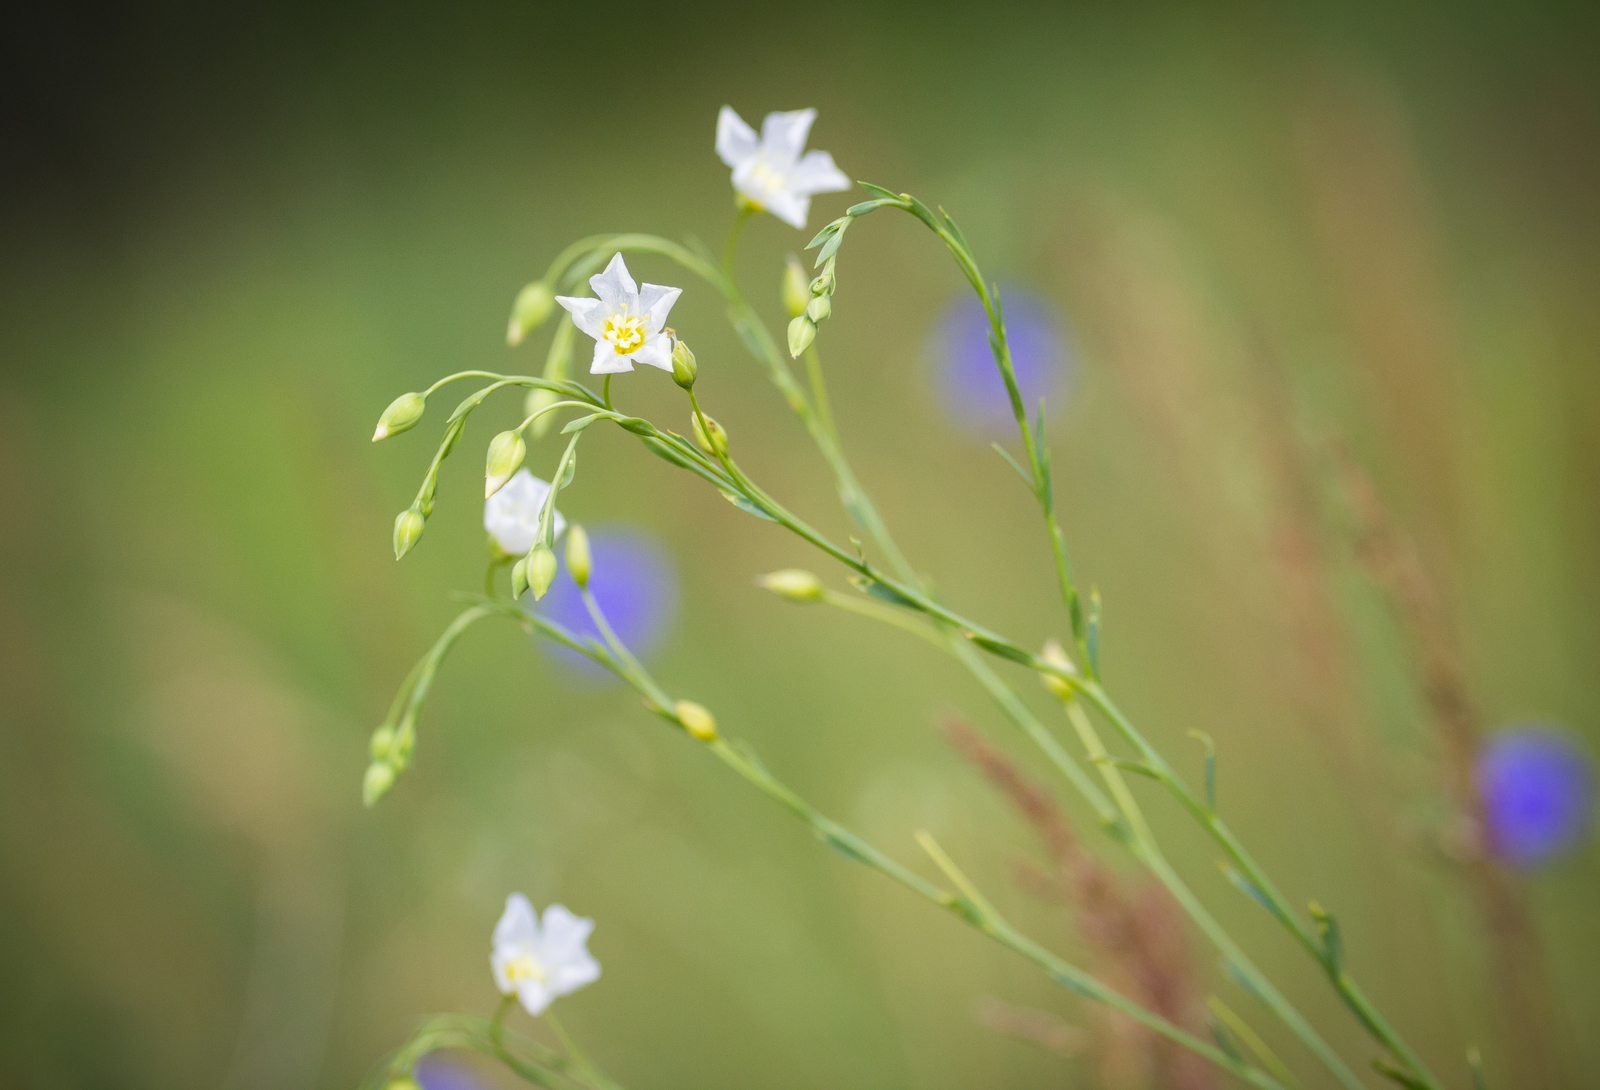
(625, 332)
(524, 967)
(767, 179)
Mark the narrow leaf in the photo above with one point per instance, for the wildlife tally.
(1092, 643)
(871, 206)
(827, 232)
(580, 423)
(1247, 887)
(880, 191)
(1332, 941)
(745, 505)
(1002, 648)
(1012, 462)
(1403, 1077)
(1211, 767)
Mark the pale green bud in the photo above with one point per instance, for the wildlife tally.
(506, 452)
(578, 559)
(408, 526)
(793, 584)
(536, 400)
(696, 720)
(382, 740)
(402, 1084)
(1055, 655)
(796, 292)
(823, 285)
(534, 304)
(378, 780)
(519, 578)
(683, 365)
(714, 443)
(541, 570)
(819, 309)
(802, 331)
(401, 415)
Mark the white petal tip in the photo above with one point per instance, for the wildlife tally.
(381, 432)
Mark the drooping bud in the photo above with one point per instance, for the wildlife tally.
(377, 781)
(715, 443)
(793, 584)
(541, 570)
(534, 304)
(796, 292)
(1056, 655)
(578, 558)
(819, 309)
(401, 415)
(382, 740)
(696, 720)
(408, 526)
(506, 452)
(823, 284)
(802, 331)
(519, 578)
(683, 365)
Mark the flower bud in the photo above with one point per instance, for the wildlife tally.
(716, 442)
(541, 570)
(402, 1084)
(519, 578)
(401, 415)
(819, 309)
(802, 331)
(378, 780)
(534, 304)
(1055, 655)
(696, 720)
(506, 452)
(382, 739)
(578, 559)
(793, 584)
(796, 292)
(823, 285)
(408, 526)
(683, 366)
(537, 399)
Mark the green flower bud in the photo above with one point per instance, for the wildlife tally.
(696, 720)
(823, 285)
(819, 309)
(378, 780)
(716, 442)
(534, 304)
(401, 415)
(408, 526)
(506, 452)
(382, 740)
(578, 559)
(793, 584)
(541, 570)
(683, 365)
(519, 578)
(536, 400)
(1055, 655)
(402, 1084)
(796, 292)
(802, 331)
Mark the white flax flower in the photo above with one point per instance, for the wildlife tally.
(626, 321)
(511, 515)
(770, 171)
(537, 962)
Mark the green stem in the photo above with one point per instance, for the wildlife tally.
(584, 1063)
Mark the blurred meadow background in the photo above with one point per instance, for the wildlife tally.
(1313, 294)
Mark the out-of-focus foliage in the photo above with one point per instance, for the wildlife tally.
(1309, 263)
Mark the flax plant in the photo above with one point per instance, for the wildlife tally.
(626, 322)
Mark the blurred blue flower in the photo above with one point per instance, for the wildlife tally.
(1537, 786)
(434, 1072)
(968, 382)
(634, 580)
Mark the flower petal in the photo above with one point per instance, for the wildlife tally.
(511, 516)
(788, 206)
(561, 932)
(534, 997)
(586, 312)
(614, 285)
(783, 135)
(656, 301)
(566, 977)
(607, 361)
(816, 173)
(657, 352)
(518, 923)
(736, 141)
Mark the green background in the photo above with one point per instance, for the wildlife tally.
(231, 239)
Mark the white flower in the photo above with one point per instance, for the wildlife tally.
(536, 961)
(625, 321)
(511, 515)
(770, 171)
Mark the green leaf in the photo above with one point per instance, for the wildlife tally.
(1211, 767)
(1071, 984)
(880, 191)
(829, 248)
(1002, 648)
(882, 592)
(954, 230)
(1136, 767)
(661, 450)
(1240, 981)
(827, 232)
(1399, 1075)
(1248, 888)
(580, 423)
(1332, 941)
(572, 470)
(1012, 462)
(871, 206)
(745, 505)
(1092, 643)
(637, 425)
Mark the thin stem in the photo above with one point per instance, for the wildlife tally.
(731, 248)
(605, 392)
(584, 1063)
(819, 392)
